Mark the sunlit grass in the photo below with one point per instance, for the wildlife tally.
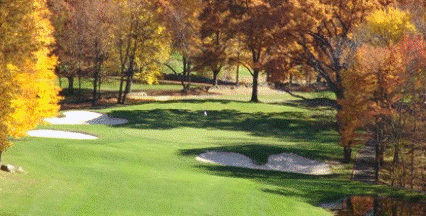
(148, 166)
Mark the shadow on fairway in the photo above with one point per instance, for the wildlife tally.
(315, 103)
(314, 189)
(286, 125)
(260, 153)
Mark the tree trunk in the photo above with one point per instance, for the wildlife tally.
(238, 71)
(95, 87)
(347, 154)
(99, 85)
(254, 97)
(128, 87)
(185, 74)
(70, 85)
(120, 91)
(79, 89)
(215, 73)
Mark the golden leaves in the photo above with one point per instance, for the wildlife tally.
(27, 89)
(390, 24)
(372, 85)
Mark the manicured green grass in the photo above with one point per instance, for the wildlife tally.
(148, 166)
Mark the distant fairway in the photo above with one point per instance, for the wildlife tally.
(148, 166)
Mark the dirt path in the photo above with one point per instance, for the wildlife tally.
(364, 164)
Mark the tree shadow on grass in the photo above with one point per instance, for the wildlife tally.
(260, 153)
(315, 103)
(314, 189)
(286, 125)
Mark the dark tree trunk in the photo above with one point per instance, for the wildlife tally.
(99, 87)
(238, 74)
(185, 74)
(70, 85)
(60, 81)
(120, 91)
(347, 154)
(254, 97)
(79, 89)
(128, 87)
(376, 207)
(215, 73)
(130, 73)
(349, 205)
(95, 87)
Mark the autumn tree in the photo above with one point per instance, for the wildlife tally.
(65, 46)
(380, 71)
(324, 36)
(181, 18)
(406, 150)
(377, 64)
(84, 41)
(253, 24)
(386, 26)
(214, 54)
(142, 44)
(28, 93)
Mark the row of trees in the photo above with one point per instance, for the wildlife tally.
(389, 108)
(137, 37)
(96, 37)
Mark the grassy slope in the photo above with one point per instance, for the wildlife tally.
(147, 167)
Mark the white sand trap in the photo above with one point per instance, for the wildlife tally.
(286, 162)
(85, 117)
(59, 134)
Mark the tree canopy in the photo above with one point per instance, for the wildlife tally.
(28, 92)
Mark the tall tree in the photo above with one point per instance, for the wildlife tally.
(143, 43)
(324, 36)
(84, 30)
(214, 55)
(254, 24)
(380, 70)
(183, 25)
(28, 93)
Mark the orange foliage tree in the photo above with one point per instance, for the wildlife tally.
(380, 72)
(324, 36)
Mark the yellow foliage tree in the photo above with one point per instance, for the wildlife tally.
(388, 25)
(27, 90)
(143, 44)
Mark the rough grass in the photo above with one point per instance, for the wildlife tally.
(147, 167)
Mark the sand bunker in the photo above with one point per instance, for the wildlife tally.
(59, 134)
(286, 162)
(85, 117)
